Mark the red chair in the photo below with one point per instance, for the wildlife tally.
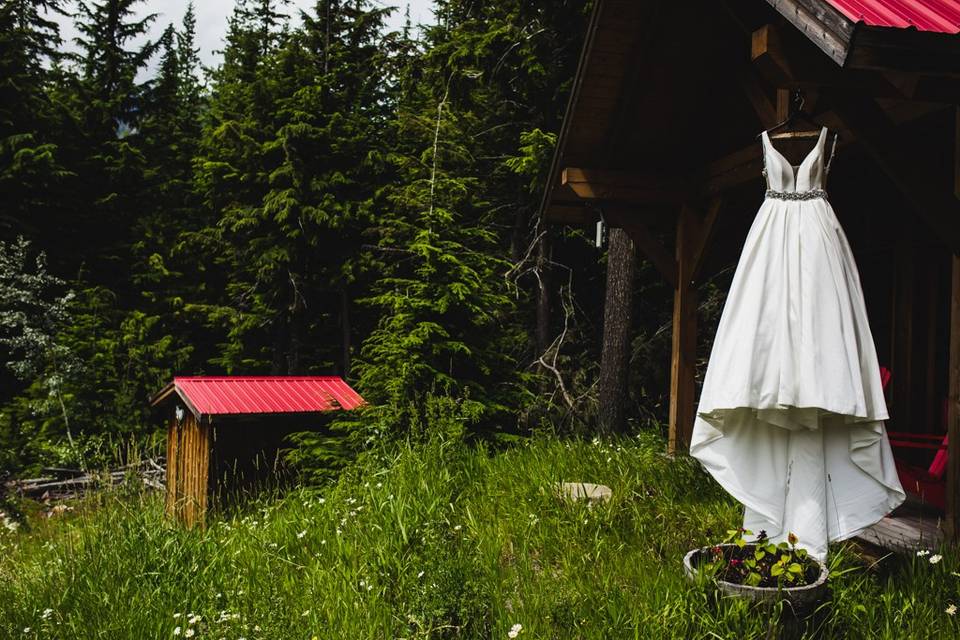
(929, 485)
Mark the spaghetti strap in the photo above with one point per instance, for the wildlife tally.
(763, 152)
(833, 150)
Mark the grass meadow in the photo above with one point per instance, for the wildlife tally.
(443, 540)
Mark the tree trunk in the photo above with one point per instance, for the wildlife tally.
(617, 321)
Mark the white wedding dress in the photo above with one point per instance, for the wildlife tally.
(791, 413)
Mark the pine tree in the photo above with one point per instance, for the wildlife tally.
(106, 103)
(30, 163)
(297, 146)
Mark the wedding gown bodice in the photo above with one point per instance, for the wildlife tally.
(783, 177)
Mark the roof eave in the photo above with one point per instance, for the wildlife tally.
(558, 152)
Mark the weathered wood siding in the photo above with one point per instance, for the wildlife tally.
(188, 470)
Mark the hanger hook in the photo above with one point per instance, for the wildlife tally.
(798, 100)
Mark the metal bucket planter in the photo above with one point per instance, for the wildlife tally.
(805, 597)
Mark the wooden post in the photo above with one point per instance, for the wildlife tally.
(684, 353)
(952, 527)
(617, 321)
(783, 105)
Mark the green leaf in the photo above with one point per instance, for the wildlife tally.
(776, 570)
(795, 568)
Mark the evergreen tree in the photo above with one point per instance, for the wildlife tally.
(298, 148)
(30, 164)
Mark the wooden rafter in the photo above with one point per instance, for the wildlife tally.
(750, 82)
(623, 186)
(705, 232)
(826, 27)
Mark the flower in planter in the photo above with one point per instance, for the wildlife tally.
(761, 563)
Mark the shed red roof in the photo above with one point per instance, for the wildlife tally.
(233, 395)
(942, 16)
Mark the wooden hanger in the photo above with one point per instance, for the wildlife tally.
(796, 115)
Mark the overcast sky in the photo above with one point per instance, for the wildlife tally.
(212, 19)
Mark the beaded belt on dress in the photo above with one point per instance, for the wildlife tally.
(797, 195)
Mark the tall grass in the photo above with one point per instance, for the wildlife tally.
(442, 540)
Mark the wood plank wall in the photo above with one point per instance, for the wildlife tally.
(953, 409)
(188, 470)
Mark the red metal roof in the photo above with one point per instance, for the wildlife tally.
(233, 395)
(942, 16)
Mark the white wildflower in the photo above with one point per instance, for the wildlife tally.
(188, 633)
(321, 500)
(420, 575)
(323, 542)
(305, 613)
(935, 559)
(301, 534)
(176, 631)
(515, 630)
(176, 615)
(923, 552)
(46, 613)
(457, 528)
(194, 618)
(26, 629)
(951, 610)
(379, 485)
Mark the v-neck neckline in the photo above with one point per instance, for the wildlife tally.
(796, 169)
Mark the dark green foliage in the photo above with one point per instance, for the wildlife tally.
(330, 198)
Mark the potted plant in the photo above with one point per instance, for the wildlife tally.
(760, 570)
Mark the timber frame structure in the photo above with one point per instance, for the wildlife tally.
(660, 137)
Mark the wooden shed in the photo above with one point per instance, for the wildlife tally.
(659, 142)
(226, 432)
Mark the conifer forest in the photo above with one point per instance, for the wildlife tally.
(333, 197)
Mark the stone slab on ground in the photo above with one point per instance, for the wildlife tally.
(588, 491)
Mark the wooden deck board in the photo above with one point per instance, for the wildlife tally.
(905, 533)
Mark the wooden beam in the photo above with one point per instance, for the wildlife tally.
(627, 187)
(906, 50)
(953, 410)
(823, 25)
(786, 59)
(704, 237)
(905, 165)
(653, 250)
(684, 347)
(750, 83)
